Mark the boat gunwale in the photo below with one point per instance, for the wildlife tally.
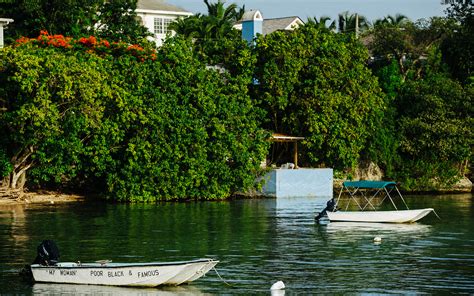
(421, 214)
(122, 265)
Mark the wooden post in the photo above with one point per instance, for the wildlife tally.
(295, 155)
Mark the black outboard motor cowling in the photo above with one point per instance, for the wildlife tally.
(330, 206)
(48, 253)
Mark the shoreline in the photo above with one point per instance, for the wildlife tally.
(53, 197)
(42, 197)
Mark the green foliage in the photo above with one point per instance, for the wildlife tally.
(116, 19)
(391, 20)
(91, 44)
(425, 138)
(200, 134)
(54, 106)
(458, 47)
(186, 121)
(322, 23)
(135, 129)
(5, 165)
(217, 24)
(383, 143)
(213, 35)
(70, 17)
(314, 83)
(390, 79)
(352, 23)
(409, 43)
(435, 125)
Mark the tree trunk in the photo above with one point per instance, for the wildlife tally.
(12, 185)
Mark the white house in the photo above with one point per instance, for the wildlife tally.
(156, 15)
(3, 23)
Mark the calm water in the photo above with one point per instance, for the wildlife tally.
(258, 243)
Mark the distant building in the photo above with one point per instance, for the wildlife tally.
(157, 15)
(3, 23)
(253, 23)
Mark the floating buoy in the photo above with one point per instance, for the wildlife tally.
(278, 286)
(377, 239)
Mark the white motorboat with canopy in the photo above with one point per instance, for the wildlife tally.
(368, 196)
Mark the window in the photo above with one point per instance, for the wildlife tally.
(158, 27)
(166, 23)
(161, 25)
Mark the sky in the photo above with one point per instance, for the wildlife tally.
(371, 9)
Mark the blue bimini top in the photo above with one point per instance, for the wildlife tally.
(369, 184)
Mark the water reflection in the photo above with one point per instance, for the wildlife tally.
(69, 289)
(389, 229)
(258, 242)
(16, 215)
(368, 232)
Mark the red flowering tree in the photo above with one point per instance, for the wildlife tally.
(114, 20)
(91, 44)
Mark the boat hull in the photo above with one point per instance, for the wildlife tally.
(124, 274)
(402, 216)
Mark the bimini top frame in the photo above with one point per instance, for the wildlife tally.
(368, 190)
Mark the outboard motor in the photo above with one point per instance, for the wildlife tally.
(330, 206)
(48, 253)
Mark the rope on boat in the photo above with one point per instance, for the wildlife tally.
(222, 278)
(436, 214)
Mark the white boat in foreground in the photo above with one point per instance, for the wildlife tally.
(123, 274)
(365, 194)
(402, 216)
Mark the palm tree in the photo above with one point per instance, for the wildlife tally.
(397, 21)
(230, 14)
(218, 23)
(352, 23)
(322, 23)
(188, 27)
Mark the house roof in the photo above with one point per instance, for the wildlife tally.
(251, 15)
(158, 5)
(272, 25)
(284, 23)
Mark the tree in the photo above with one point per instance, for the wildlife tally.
(200, 135)
(352, 23)
(230, 14)
(75, 18)
(53, 105)
(322, 22)
(215, 40)
(461, 10)
(132, 124)
(435, 124)
(383, 144)
(409, 43)
(217, 24)
(458, 47)
(397, 20)
(315, 83)
(118, 21)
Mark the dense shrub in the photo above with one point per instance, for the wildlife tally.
(131, 123)
(315, 83)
